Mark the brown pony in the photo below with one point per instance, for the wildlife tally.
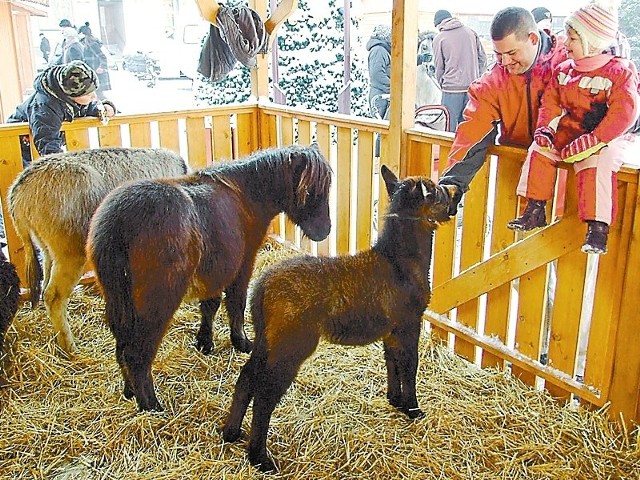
(51, 204)
(376, 294)
(153, 242)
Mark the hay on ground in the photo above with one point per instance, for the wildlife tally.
(66, 419)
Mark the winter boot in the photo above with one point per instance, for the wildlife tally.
(534, 216)
(597, 234)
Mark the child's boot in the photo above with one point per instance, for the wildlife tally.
(534, 216)
(597, 234)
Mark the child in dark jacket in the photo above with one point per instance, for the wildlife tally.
(62, 93)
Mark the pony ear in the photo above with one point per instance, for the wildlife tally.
(390, 180)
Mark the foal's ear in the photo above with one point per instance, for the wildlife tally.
(390, 180)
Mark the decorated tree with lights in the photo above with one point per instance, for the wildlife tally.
(630, 26)
(310, 65)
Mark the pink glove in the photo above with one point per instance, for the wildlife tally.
(582, 143)
(543, 136)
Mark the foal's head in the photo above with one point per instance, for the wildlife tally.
(311, 180)
(416, 198)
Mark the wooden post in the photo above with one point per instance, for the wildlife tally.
(404, 47)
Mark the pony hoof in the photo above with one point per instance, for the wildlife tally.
(153, 406)
(243, 345)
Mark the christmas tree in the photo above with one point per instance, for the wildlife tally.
(311, 60)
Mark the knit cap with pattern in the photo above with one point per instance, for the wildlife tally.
(77, 79)
(596, 26)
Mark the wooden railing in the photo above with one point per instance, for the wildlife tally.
(498, 300)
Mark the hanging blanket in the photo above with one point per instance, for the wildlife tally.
(239, 36)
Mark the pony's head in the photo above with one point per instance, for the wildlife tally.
(417, 198)
(310, 180)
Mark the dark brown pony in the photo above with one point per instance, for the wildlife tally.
(154, 242)
(376, 294)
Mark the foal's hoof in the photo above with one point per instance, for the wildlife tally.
(231, 435)
(204, 345)
(413, 413)
(263, 463)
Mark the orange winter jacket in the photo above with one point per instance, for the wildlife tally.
(603, 100)
(509, 101)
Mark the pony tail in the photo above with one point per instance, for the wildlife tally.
(33, 272)
(110, 260)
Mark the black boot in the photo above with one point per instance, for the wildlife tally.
(534, 216)
(597, 234)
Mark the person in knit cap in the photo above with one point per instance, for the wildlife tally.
(459, 59)
(62, 93)
(543, 18)
(587, 112)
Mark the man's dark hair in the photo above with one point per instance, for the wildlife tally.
(512, 20)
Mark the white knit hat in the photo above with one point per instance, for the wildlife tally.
(596, 26)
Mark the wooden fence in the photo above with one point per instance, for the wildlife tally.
(500, 299)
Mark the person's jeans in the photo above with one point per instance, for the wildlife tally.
(455, 103)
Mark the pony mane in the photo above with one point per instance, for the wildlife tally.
(300, 169)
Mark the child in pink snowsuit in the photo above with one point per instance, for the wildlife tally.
(586, 114)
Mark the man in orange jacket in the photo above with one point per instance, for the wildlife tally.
(505, 99)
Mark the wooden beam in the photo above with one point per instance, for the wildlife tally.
(516, 260)
(404, 48)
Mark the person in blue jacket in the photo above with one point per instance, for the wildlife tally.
(62, 93)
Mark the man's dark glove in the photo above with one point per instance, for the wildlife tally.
(455, 195)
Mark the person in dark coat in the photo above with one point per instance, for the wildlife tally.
(45, 47)
(379, 63)
(96, 59)
(62, 93)
(72, 49)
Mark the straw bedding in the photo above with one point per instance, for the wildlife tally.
(67, 419)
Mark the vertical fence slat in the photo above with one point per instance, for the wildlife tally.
(76, 139)
(169, 134)
(287, 135)
(110, 136)
(565, 320)
(505, 206)
(531, 302)
(610, 291)
(364, 204)
(140, 134)
(10, 168)
(246, 134)
(443, 249)
(304, 132)
(222, 145)
(473, 238)
(196, 142)
(323, 138)
(343, 172)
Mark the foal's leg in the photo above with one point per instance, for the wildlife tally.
(280, 369)
(407, 338)
(242, 395)
(236, 301)
(208, 309)
(394, 390)
(66, 269)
